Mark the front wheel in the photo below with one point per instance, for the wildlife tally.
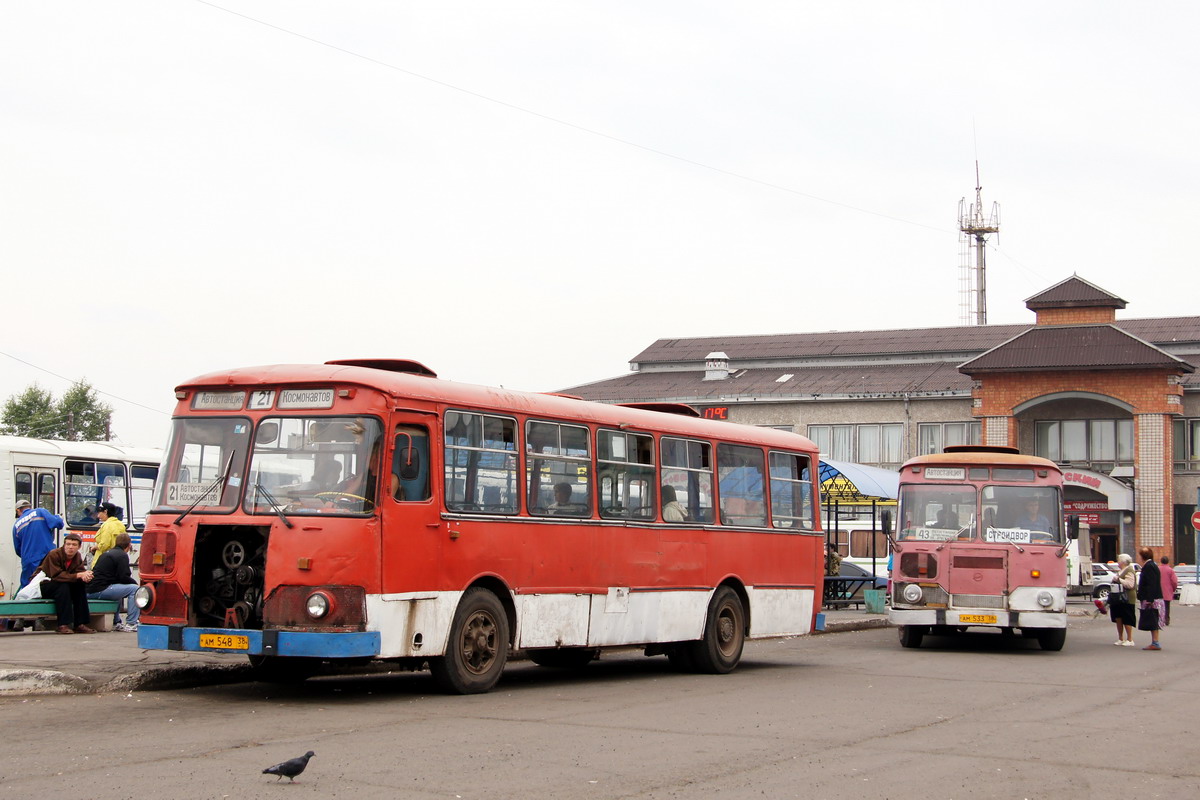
(911, 635)
(724, 634)
(478, 646)
(1052, 639)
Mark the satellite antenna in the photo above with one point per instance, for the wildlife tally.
(972, 273)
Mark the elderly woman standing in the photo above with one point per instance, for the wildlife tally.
(1120, 601)
(1150, 595)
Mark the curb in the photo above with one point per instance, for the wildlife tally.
(856, 625)
(25, 682)
(16, 682)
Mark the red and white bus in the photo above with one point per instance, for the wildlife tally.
(980, 541)
(369, 510)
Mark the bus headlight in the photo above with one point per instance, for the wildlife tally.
(1045, 599)
(318, 605)
(912, 593)
(144, 597)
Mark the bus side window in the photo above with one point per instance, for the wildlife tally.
(410, 464)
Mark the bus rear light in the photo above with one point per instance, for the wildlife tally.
(1035, 573)
(346, 393)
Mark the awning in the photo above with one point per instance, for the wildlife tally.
(850, 483)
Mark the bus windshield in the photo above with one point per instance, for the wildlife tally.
(1010, 514)
(199, 453)
(1021, 514)
(314, 465)
(937, 513)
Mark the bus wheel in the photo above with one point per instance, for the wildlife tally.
(911, 635)
(563, 657)
(724, 634)
(283, 669)
(1052, 639)
(477, 648)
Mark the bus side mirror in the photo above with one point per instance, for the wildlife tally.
(887, 522)
(410, 464)
(1073, 526)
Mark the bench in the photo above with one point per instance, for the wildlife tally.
(102, 611)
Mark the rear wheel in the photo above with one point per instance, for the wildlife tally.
(724, 634)
(1052, 639)
(911, 635)
(1101, 591)
(563, 657)
(478, 646)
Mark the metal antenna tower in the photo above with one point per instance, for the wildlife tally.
(972, 271)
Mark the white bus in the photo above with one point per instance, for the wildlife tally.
(70, 479)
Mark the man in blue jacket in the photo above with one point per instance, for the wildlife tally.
(33, 537)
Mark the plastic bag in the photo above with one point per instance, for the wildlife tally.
(32, 590)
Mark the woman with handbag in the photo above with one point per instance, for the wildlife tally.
(1150, 595)
(1120, 601)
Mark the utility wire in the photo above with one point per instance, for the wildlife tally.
(557, 121)
(97, 390)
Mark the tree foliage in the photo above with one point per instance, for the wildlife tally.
(77, 416)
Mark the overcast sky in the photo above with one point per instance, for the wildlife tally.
(529, 193)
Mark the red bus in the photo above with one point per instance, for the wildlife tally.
(367, 509)
(980, 542)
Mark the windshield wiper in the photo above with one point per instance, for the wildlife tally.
(219, 481)
(274, 504)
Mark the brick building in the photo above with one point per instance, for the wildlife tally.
(1115, 402)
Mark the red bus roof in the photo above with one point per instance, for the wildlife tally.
(421, 386)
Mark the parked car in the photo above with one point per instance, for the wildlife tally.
(1102, 579)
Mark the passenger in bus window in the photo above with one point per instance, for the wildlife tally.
(1032, 517)
(563, 495)
(672, 511)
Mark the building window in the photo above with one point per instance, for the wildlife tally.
(933, 437)
(1186, 444)
(875, 445)
(1097, 444)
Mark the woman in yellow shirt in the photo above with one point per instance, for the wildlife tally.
(110, 526)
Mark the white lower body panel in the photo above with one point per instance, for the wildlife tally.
(417, 624)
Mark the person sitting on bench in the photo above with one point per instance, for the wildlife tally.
(66, 585)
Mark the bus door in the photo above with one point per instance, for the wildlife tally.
(978, 571)
(38, 485)
(410, 517)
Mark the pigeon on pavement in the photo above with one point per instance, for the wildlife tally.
(290, 768)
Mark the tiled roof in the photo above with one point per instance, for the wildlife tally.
(1074, 292)
(869, 380)
(1073, 347)
(803, 354)
(965, 339)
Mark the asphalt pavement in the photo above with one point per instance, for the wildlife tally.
(44, 662)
